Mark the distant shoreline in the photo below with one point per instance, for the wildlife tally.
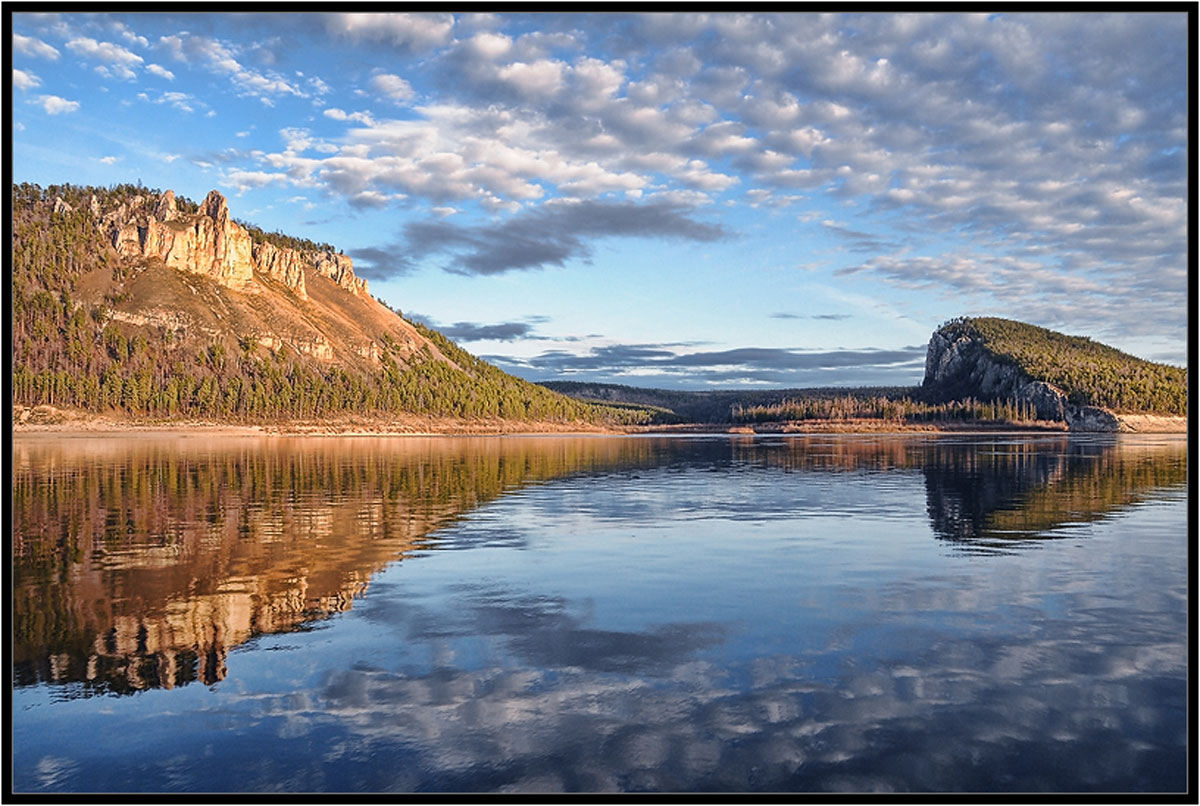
(68, 424)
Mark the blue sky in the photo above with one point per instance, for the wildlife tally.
(683, 201)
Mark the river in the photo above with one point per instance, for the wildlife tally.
(847, 613)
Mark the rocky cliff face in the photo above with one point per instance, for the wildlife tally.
(961, 366)
(209, 242)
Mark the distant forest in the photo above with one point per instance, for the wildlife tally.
(900, 404)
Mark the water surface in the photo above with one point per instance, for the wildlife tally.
(820, 613)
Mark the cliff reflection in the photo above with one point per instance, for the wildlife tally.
(989, 500)
(140, 563)
(991, 494)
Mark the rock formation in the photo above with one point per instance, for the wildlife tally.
(211, 243)
(958, 366)
(284, 265)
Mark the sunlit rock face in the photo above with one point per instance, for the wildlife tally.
(284, 265)
(960, 366)
(211, 243)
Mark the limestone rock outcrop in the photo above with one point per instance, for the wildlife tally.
(961, 366)
(211, 243)
(284, 265)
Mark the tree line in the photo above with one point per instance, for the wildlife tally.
(874, 407)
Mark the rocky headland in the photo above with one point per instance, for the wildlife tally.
(960, 364)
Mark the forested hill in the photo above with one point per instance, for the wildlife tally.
(134, 302)
(1087, 372)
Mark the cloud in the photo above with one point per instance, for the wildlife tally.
(159, 70)
(120, 61)
(54, 105)
(666, 366)
(23, 81)
(832, 317)
(552, 235)
(109, 160)
(472, 331)
(241, 181)
(33, 47)
(221, 58)
(860, 241)
(179, 100)
(410, 32)
(381, 263)
(359, 117)
(392, 86)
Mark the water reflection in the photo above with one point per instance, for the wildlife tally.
(140, 564)
(778, 614)
(994, 499)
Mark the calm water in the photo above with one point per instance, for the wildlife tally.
(839, 613)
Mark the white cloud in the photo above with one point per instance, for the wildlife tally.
(489, 46)
(33, 47)
(543, 77)
(159, 70)
(241, 181)
(221, 58)
(23, 81)
(392, 86)
(108, 160)
(358, 117)
(117, 60)
(174, 46)
(179, 100)
(416, 32)
(129, 36)
(54, 105)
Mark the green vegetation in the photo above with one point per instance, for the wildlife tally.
(281, 241)
(72, 355)
(1090, 373)
(885, 403)
(857, 406)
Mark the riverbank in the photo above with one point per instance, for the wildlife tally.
(49, 420)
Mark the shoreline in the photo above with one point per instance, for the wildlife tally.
(67, 425)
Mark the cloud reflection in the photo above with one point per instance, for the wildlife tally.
(960, 714)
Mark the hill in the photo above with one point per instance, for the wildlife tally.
(993, 358)
(143, 304)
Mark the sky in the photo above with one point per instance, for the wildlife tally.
(689, 201)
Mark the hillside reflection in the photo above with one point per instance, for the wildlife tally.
(996, 498)
(140, 563)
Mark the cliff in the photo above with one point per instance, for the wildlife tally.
(1062, 378)
(210, 243)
